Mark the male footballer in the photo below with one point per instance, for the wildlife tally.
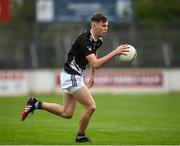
(82, 52)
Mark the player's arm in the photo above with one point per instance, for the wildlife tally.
(92, 74)
(92, 71)
(99, 62)
(91, 77)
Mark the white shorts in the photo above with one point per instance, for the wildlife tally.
(71, 83)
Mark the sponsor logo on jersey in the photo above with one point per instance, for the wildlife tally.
(89, 48)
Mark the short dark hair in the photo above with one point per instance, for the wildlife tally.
(97, 17)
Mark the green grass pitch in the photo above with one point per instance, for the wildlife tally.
(118, 120)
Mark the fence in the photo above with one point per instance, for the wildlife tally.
(26, 46)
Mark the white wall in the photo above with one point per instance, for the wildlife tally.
(42, 81)
(173, 79)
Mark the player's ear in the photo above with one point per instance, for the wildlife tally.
(93, 24)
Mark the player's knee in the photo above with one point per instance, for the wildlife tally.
(68, 115)
(92, 108)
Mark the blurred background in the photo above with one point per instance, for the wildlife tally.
(37, 34)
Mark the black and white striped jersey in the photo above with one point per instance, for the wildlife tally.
(84, 45)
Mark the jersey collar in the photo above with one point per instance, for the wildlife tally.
(93, 37)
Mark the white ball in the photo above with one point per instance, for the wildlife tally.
(128, 56)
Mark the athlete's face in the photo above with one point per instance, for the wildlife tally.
(101, 28)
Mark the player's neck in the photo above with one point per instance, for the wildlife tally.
(95, 37)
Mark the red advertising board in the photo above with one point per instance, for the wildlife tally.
(129, 79)
(126, 78)
(13, 83)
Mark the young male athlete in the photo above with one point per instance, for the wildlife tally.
(82, 52)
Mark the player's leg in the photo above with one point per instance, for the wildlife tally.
(84, 97)
(66, 110)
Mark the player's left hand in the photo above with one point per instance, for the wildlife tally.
(90, 82)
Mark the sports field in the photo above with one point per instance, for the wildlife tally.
(118, 119)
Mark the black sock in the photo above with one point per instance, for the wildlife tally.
(38, 105)
(80, 135)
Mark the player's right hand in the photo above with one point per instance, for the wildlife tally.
(90, 83)
(121, 49)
